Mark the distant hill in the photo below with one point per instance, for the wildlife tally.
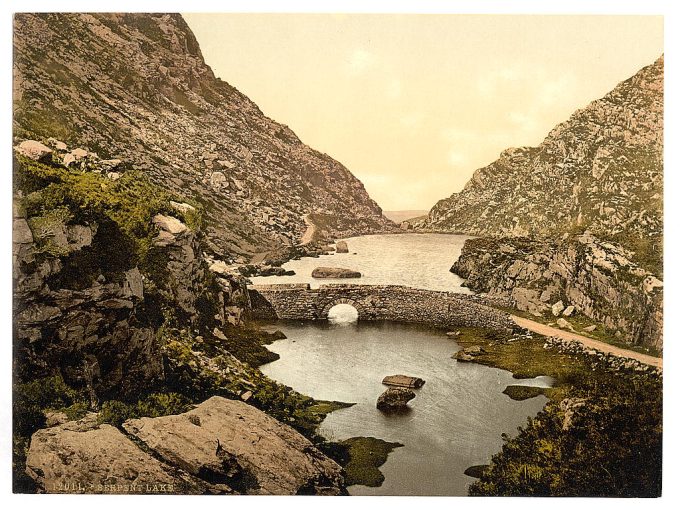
(399, 216)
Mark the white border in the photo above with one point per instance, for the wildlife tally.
(672, 167)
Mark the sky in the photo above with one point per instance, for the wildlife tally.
(413, 104)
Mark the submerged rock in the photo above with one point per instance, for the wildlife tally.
(476, 471)
(395, 399)
(335, 272)
(469, 353)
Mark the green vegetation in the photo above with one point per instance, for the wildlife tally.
(579, 322)
(516, 392)
(115, 412)
(200, 367)
(612, 446)
(361, 457)
(83, 197)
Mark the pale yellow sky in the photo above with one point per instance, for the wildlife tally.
(414, 104)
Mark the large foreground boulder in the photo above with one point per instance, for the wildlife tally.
(83, 457)
(395, 399)
(230, 442)
(335, 272)
(222, 446)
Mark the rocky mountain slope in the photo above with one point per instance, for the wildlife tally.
(136, 87)
(600, 174)
(601, 170)
(119, 312)
(578, 275)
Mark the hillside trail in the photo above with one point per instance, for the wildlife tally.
(543, 329)
(309, 233)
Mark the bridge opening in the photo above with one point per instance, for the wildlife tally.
(343, 313)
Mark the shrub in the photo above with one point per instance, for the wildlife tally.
(33, 398)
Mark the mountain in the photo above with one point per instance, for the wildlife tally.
(601, 170)
(399, 216)
(135, 87)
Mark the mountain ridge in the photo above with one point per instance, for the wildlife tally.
(600, 170)
(136, 87)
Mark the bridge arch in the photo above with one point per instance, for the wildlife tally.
(343, 301)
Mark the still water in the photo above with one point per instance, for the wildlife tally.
(414, 260)
(457, 417)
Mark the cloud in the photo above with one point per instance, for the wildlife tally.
(360, 60)
(394, 89)
(412, 120)
(456, 158)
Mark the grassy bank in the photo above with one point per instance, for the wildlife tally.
(579, 323)
(599, 435)
(361, 457)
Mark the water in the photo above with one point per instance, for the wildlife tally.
(456, 419)
(414, 260)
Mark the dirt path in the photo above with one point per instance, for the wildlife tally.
(542, 329)
(309, 233)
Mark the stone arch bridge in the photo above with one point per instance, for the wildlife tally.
(374, 303)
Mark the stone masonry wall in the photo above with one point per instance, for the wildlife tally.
(374, 302)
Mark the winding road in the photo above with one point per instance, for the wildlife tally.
(309, 233)
(543, 329)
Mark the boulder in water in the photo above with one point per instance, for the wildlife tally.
(341, 247)
(394, 399)
(335, 272)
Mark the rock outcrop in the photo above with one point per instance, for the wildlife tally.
(335, 272)
(600, 173)
(135, 87)
(594, 278)
(602, 170)
(84, 309)
(221, 446)
(83, 457)
(229, 442)
(395, 399)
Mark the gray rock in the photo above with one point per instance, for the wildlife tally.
(83, 457)
(335, 272)
(564, 324)
(341, 247)
(182, 207)
(21, 232)
(34, 150)
(570, 406)
(394, 399)
(169, 224)
(568, 311)
(557, 308)
(240, 446)
(218, 181)
(590, 329)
